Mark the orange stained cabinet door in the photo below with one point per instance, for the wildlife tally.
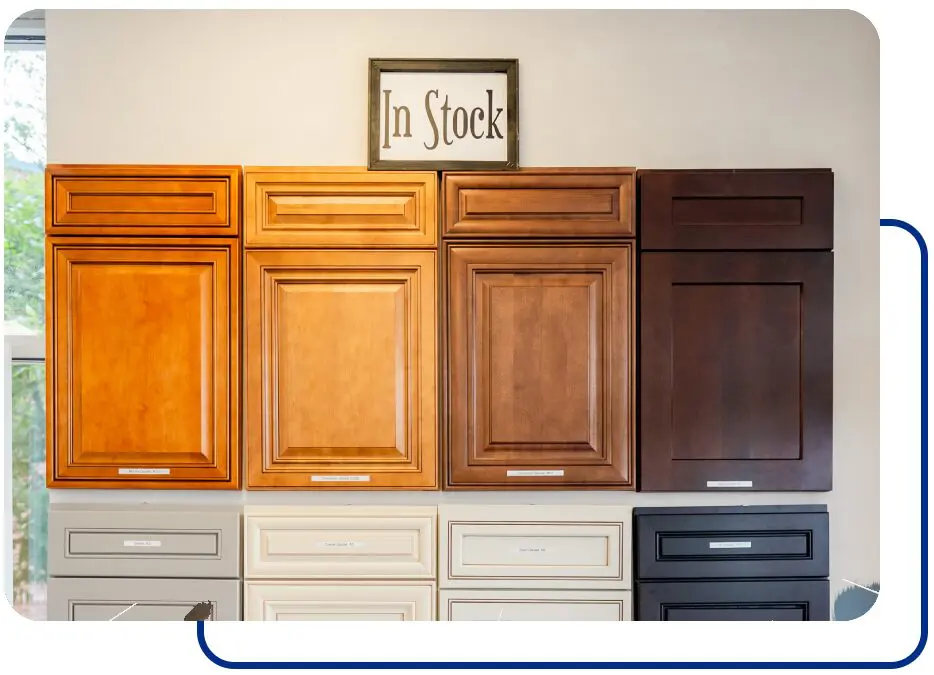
(340, 350)
(142, 344)
(541, 365)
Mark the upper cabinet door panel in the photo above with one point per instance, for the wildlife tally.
(340, 369)
(541, 366)
(109, 200)
(737, 371)
(144, 363)
(736, 210)
(540, 203)
(340, 207)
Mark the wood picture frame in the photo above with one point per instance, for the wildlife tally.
(427, 130)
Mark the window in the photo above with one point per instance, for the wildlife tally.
(24, 154)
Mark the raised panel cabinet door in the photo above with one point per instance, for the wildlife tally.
(541, 366)
(785, 600)
(341, 388)
(143, 347)
(736, 371)
(335, 601)
(144, 200)
(487, 605)
(306, 207)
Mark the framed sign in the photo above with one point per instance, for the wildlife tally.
(444, 114)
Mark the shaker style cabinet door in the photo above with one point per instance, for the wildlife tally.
(340, 357)
(143, 355)
(540, 366)
(736, 371)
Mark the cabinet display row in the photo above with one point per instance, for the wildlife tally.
(214, 327)
(447, 563)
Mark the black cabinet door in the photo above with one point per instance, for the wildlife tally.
(790, 600)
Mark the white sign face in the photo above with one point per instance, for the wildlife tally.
(425, 116)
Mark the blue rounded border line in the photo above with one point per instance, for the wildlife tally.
(664, 665)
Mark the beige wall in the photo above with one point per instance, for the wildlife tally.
(646, 89)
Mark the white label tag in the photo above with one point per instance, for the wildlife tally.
(729, 483)
(731, 544)
(143, 472)
(532, 549)
(559, 472)
(152, 543)
(340, 479)
(340, 544)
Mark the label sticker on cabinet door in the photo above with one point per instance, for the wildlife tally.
(143, 472)
(340, 479)
(731, 544)
(341, 544)
(515, 473)
(729, 483)
(143, 543)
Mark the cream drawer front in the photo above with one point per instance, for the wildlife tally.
(535, 606)
(91, 599)
(323, 601)
(536, 547)
(117, 541)
(340, 543)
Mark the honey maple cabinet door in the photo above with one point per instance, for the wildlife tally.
(541, 366)
(143, 348)
(341, 369)
(736, 371)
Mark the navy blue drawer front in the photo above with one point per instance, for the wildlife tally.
(784, 600)
(759, 542)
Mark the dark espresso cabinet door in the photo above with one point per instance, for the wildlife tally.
(736, 371)
(785, 600)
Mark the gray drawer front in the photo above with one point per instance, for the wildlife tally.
(138, 543)
(157, 599)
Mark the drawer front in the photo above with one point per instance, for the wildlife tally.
(98, 543)
(736, 543)
(323, 601)
(72, 599)
(311, 207)
(540, 203)
(536, 547)
(804, 600)
(466, 605)
(341, 543)
(145, 200)
(742, 209)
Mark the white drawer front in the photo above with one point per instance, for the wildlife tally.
(323, 601)
(465, 605)
(341, 544)
(536, 547)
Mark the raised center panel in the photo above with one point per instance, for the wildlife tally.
(541, 364)
(340, 353)
(333, 601)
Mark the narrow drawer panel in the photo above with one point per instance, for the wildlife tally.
(743, 209)
(337, 206)
(340, 542)
(73, 599)
(334, 601)
(540, 203)
(144, 200)
(96, 542)
(535, 547)
(732, 542)
(790, 600)
(467, 605)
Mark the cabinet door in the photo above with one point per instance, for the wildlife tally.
(540, 366)
(734, 601)
(466, 605)
(310, 601)
(340, 369)
(736, 371)
(144, 353)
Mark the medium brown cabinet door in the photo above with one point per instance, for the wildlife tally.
(736, 371)
(540, 366)
(144, 362)
(340, 369)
